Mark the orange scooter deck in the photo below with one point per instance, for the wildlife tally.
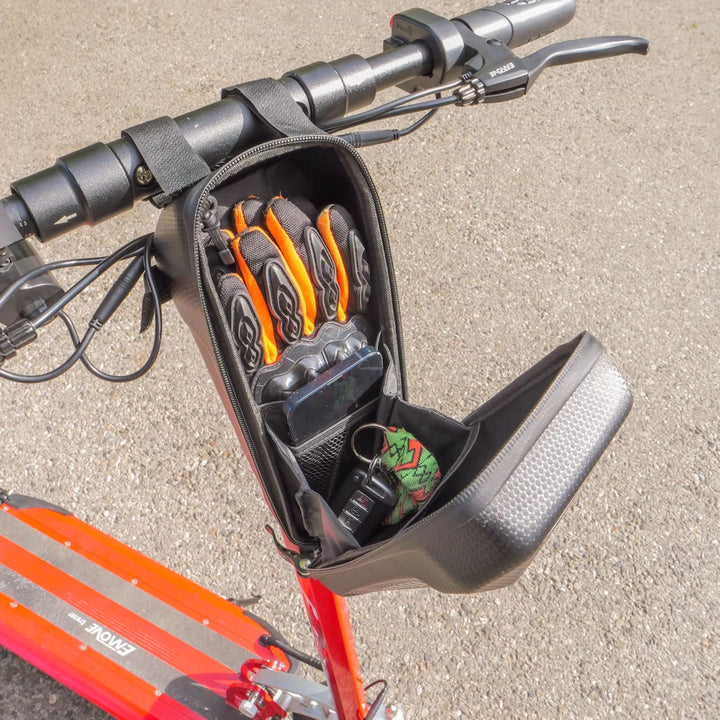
(131, 636)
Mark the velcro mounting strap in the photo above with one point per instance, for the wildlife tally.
(274, 105)
(169, 157)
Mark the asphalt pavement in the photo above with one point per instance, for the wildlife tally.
(592, 203)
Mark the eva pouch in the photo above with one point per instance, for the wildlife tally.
(508, 470)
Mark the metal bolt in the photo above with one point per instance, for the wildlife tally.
(83, 647)
(249, 706)
(143, 176)
(13, 604)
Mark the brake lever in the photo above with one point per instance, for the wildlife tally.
(572, 51)
(496, 74)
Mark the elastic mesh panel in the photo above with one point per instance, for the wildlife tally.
(322, 465)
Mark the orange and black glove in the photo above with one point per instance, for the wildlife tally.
(242, 318)
(298, 275)
(306, 254)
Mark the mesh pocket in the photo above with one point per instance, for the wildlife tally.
(329, 457)
(322, 465)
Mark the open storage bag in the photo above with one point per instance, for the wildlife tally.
(508, 470)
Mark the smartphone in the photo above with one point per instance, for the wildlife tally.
(334, 394)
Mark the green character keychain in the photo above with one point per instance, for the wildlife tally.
(414, 466)
(411, 466)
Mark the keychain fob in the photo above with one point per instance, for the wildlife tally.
(370, 503)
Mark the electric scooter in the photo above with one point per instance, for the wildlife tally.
(128, 634)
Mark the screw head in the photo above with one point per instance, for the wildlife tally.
(143, 176)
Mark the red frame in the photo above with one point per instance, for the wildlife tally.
(330, 622)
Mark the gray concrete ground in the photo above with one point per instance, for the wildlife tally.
(592, 203)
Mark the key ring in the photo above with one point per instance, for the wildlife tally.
(367, 426)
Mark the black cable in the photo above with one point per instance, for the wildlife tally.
(380, 110)
(417, 124)
(366, 138)
(80, 348)
(105, 310)
(363, 139)
(429, 106)
(420, 107)
(42, 269)
(374, 709)
(270, 641)
(157, 339)
(120, 254)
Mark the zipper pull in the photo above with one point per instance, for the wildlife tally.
(211, 225)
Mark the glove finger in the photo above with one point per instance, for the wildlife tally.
(348, 250)
(248, 213)
(243, 319)
(270, 283)
(307, 255)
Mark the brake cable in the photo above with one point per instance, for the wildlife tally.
(381, 111)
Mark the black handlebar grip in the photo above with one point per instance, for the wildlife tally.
(516, 22)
